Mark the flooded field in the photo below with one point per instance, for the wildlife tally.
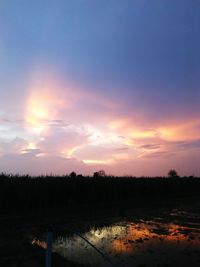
(168, 239)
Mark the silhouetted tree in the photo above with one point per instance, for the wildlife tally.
(172, 173)
(100, 173)
(72, 175)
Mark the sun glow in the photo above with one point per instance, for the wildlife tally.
(31, 145)
(44, 103)
(37, 112)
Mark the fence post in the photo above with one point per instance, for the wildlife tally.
(49, 247)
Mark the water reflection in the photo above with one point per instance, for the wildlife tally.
(39, 243)
(131, 243)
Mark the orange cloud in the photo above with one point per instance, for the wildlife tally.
(71, 121)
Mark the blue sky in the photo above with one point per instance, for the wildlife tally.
(125, 69)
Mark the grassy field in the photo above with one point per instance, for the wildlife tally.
(47, 193)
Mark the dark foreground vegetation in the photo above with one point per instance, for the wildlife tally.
(28, 205)
(22, 194)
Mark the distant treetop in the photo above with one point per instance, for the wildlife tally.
(173, 173)
(72, 175)
(100, 173)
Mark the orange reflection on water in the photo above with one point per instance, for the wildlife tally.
(121, 245)
(39, 243)
(145, 234)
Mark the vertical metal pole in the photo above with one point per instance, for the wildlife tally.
(49, 248)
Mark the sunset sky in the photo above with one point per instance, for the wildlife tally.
(100, 84)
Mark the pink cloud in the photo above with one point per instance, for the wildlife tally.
(79, 127)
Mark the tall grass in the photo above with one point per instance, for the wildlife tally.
(47, 193)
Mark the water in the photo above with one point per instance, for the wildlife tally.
(172, 239)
